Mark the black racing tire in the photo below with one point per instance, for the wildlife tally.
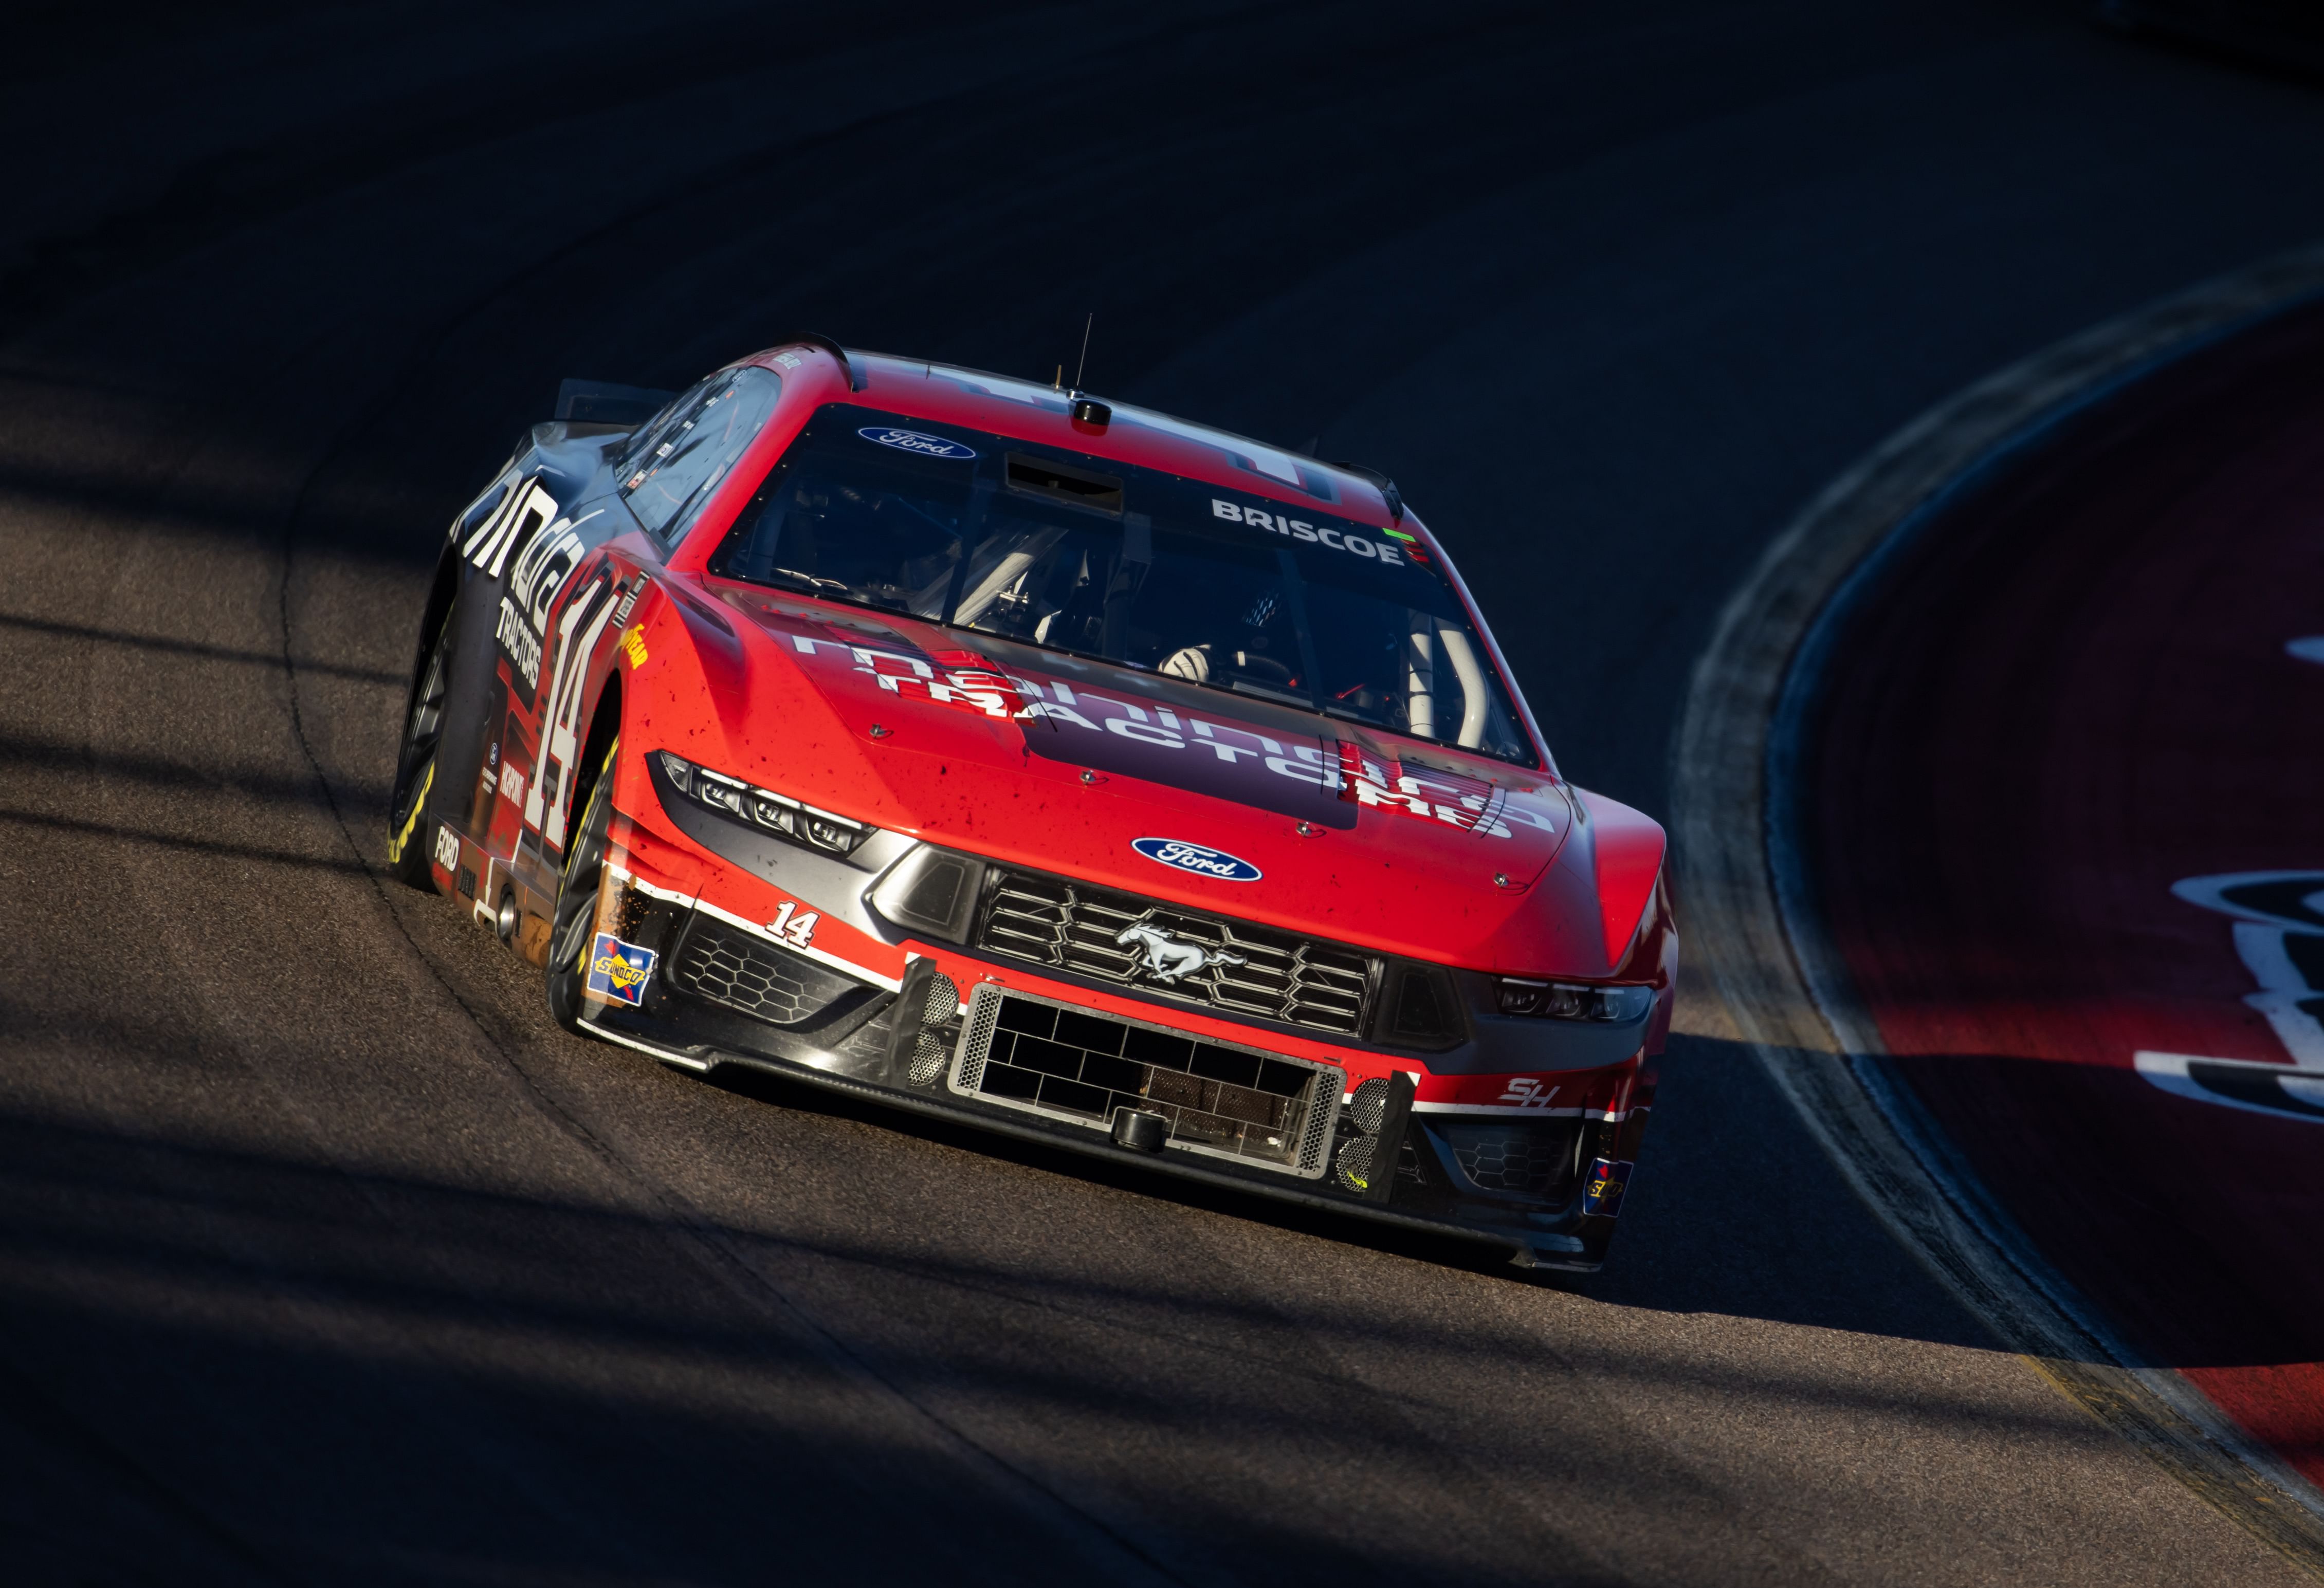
(573, 924)
(409, 838)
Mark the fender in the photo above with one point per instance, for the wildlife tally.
(1629, 848)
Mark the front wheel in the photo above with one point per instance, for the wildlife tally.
(573, 926)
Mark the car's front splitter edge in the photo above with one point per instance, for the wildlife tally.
(701, 1059)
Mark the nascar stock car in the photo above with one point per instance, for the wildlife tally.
(1052, 766)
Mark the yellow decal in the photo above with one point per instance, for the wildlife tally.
(396, 840)
(634, 644)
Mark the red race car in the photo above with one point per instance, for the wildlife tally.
(1056, 766)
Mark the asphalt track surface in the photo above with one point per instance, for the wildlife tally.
(2060, 746)
(325, 1258)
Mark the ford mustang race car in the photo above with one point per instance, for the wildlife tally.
(1043, 764)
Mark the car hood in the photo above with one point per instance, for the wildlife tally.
(1082, 768)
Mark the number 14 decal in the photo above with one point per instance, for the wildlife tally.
(799, 928)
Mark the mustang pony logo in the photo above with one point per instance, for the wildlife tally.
(1167, 959)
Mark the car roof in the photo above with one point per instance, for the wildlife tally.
(1026, 410)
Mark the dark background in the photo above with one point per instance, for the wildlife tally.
(323, 1257)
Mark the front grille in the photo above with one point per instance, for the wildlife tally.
(1121, 938)
(744, 971)
(1532, 1158)
(1228, 1102)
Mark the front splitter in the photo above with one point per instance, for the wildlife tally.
(653, 1038)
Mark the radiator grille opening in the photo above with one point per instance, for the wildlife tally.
(1244, 969)
(1227, 1101)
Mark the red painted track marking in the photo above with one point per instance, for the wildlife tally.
(2071, 695)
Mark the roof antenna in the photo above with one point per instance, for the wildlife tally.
(1080, 367)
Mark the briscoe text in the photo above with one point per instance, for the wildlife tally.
(1300, 529)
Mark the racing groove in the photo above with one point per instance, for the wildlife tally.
(323, 1257)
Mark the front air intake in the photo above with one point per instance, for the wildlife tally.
(746, 972)
(1534, 1160)
(1421, 1011)
(1248, 970)
(1261, 1109)
(933, 891)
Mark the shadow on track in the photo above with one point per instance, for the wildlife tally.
(1750, 1223)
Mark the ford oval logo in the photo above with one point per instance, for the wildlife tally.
(928, 446)
(1194, 858)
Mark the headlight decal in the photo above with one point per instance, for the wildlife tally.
(765, 809)
(1573, 1000)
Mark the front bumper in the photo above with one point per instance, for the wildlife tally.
(730, 993)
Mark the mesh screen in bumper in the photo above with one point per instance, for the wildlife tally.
(1523, 1158)
(744, 971)
(1228, 1102)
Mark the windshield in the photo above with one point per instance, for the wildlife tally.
(1100, 558)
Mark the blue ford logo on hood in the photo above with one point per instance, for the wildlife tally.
(1194, 858)
(928, 446)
